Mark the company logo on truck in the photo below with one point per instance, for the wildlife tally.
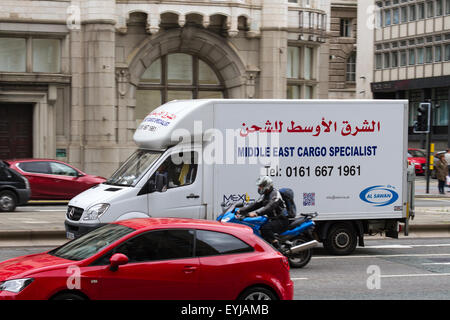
(379, 196)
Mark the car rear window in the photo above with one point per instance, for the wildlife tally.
(35, 167)
(211, 243)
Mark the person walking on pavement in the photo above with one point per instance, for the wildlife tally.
(441, 172)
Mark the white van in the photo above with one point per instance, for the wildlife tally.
(344, 159)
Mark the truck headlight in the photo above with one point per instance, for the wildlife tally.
(94, 212)
(15, 285)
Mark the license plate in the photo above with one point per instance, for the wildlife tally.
(70, 235)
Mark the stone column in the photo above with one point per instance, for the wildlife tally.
(95, 86)
(273, 49)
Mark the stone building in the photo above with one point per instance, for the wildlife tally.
(77, 76)
(343, 27)
(404, 53)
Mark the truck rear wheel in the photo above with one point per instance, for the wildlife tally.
(341, 239)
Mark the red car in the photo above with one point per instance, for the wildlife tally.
(53, 179)
(153, 258)
(418, 158)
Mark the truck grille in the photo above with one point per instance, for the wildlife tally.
(74, 213)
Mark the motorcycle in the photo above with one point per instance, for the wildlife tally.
(295, 243)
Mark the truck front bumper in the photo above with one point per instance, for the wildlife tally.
(76, 230)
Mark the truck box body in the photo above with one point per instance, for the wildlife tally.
(344, 159)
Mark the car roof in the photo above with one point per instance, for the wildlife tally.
(31, 160)
(158, 223)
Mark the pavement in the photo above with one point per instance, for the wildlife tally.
(42, 223)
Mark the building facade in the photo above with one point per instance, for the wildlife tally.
(411, 59)
(343, 30)
(77, 76)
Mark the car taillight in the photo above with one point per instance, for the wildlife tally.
(285, 263)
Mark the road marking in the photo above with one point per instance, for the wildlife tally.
(294, 279)
(399, 246)
(437, 263)
(384, 256)
(416, 275)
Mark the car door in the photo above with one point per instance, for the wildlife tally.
(223, 259)
(38, 175)
(181, 195)
(161, 266)
(66, 181)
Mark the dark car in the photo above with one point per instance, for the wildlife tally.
(52, 179)
(14, 188)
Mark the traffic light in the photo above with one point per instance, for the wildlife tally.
(422, 124)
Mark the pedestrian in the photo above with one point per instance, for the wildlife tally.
(441, 172)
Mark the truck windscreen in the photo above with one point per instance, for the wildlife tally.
(134, 168)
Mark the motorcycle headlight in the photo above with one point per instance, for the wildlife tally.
(94, 212)
(15, 285)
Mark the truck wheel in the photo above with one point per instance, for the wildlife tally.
(341, 239)
(8, 201)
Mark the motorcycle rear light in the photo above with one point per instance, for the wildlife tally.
(285, 262)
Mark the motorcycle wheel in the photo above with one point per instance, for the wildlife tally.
(301, 259)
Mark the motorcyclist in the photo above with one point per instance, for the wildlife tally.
(270, 204)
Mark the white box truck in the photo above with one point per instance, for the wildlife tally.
(344, 159)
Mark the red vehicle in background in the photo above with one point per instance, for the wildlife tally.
(418, 159)
(53, 179)
(153, 259)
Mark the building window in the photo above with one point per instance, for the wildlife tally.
(394, 59)
(437, 53)
(13, 55)
(351, 68)
(412, 57)
(387, 17)
(46, 55)
(429, 54)
(308, 60)
(430, 9)
(395, 16)
(299, 73)
(421, 9)
(439, 8)
(441, 114)
(403, 58)
(293, 63)
(420, 55)
(404, 14)
(447, 52)
(345, 28)
(293, 92)
(412, 12)
(447, 7)
(174, 77)
(387, 63)
(378, 61)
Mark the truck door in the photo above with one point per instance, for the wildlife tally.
(175, 189)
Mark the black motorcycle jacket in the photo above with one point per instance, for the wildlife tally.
(270, 203)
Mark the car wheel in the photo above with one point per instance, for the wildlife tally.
(68, 296)
(341, 240)
(8, 201)
(258, 293)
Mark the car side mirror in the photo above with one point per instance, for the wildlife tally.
(118, 259)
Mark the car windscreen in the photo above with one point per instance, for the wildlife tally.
(417, 153)
(134, 168)
(91, 243)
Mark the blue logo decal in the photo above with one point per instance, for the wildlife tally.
(379, 196)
